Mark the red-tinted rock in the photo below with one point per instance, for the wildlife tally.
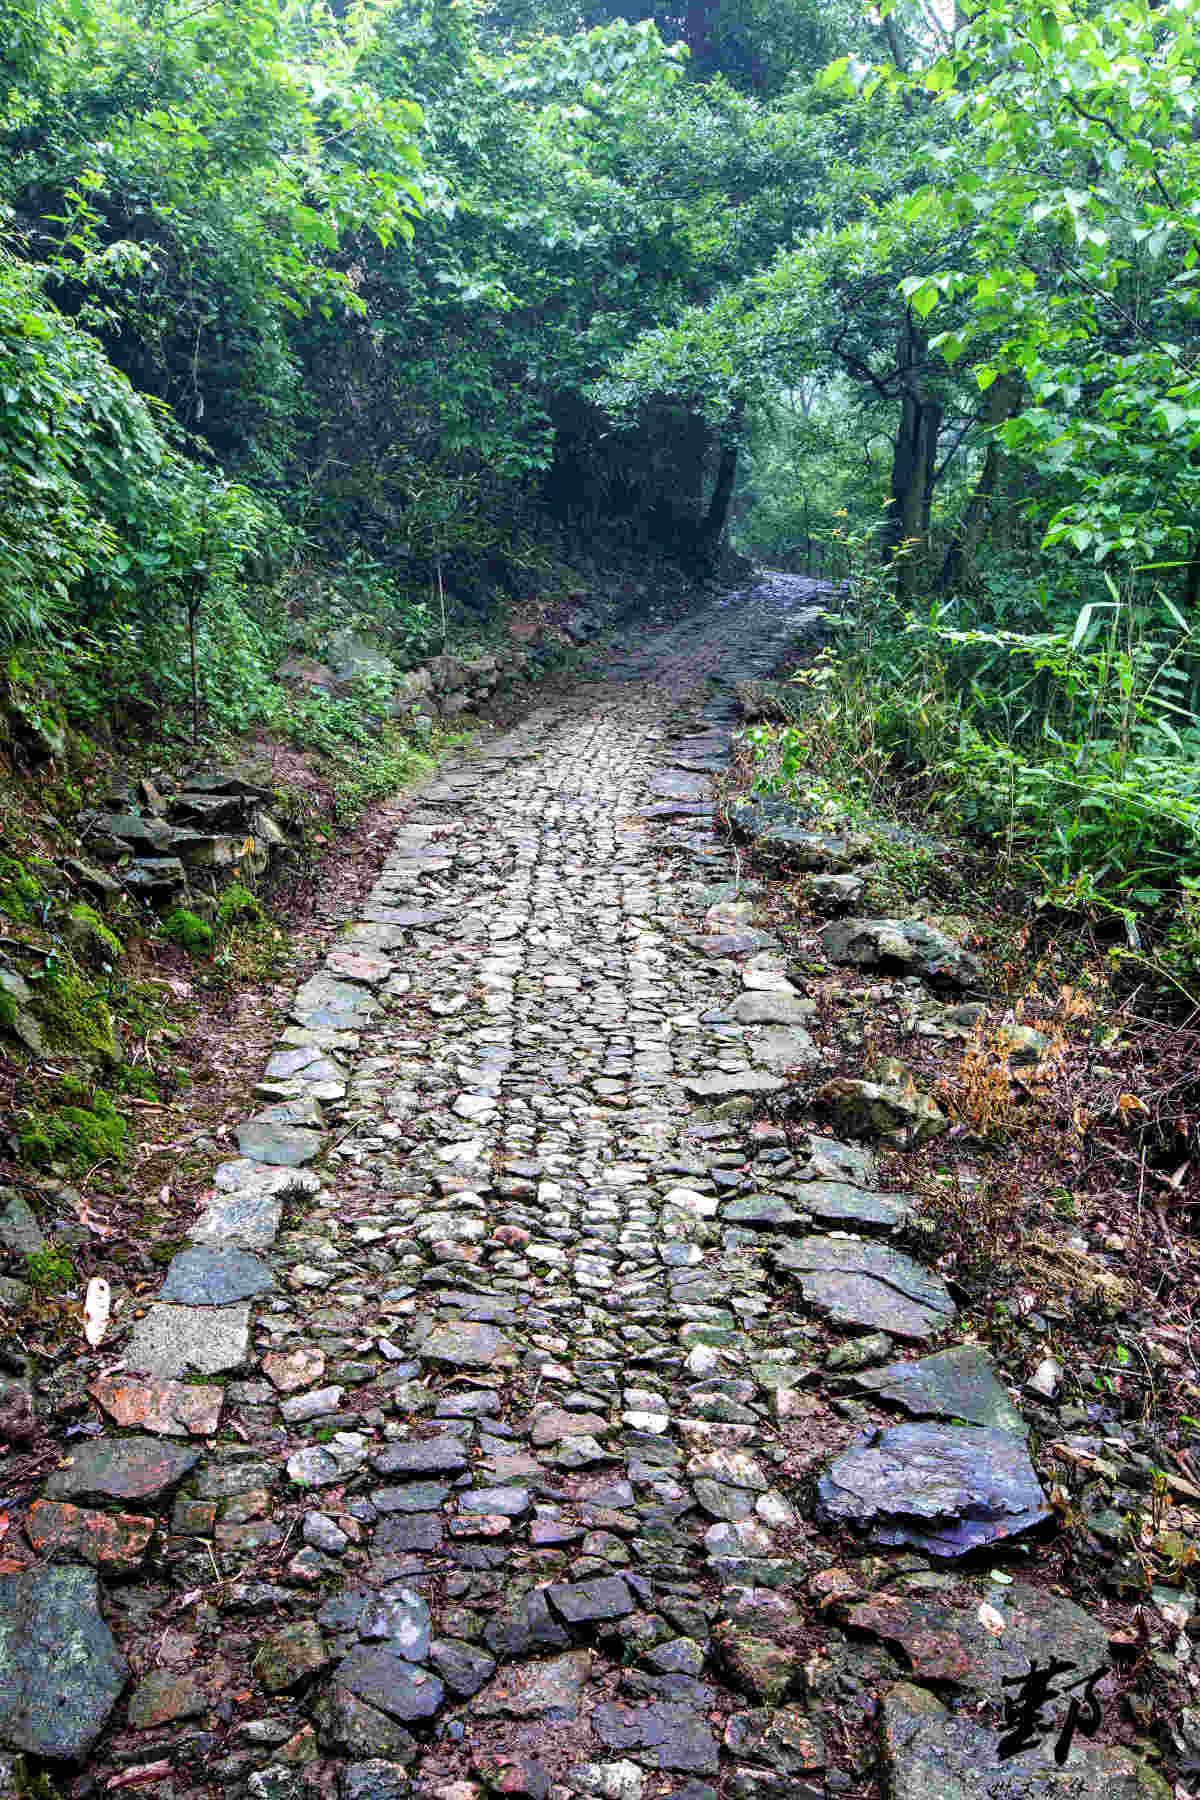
(115, 1541)
(167, 1408)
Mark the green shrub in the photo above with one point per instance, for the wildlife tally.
(238, 906)
(49, 1270)
(189, 931)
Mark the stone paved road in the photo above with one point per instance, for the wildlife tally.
(510, 1318)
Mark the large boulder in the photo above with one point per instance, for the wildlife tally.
(910, 943)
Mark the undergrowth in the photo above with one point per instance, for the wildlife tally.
(1064, 738)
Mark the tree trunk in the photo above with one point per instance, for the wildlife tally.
(713, 524)
(914, 459)
(1003, 399)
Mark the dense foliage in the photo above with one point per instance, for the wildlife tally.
(417, 294)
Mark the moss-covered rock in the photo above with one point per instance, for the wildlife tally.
(20, 890)
(76, 1018)
(189, 931)
(78, 1135)
(90, 938)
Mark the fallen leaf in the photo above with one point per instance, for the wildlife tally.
(991, 1620)
(140, 1772)
(96, 1307)
(3, 1525)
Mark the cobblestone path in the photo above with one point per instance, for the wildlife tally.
(511, 1337)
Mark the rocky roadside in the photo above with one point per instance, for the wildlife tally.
(529, 1413)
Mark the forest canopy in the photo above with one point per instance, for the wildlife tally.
(426, 285)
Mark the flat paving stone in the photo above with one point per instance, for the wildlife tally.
(946, 1489)
(582, 1602)
(748, 1082)
(129, 1468)
(839, 1203)
(267, 1141)
(114, 1542)
(209, 1276)
(867, 1285)
(662, 1735)
(464, 1346)
(168, 1408)
(62, 1672)
(397, 1687)
(171, 1341)
(249, 1219)
(425, 1456)
(551, 1689)
(959, 1383)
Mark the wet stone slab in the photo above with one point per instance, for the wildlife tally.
(61, 1673)
(930, 1753)
(131, 1468)
(663, 1735)
(946, 1489)
(208, 1276)
(384, 1679)
(959, 1383)
(953, 1644)
(867, 1285)
(268, 1141)
(249, 1219)
(839, 1203)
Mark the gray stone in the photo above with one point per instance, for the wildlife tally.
(838, 1203)
(529, 1626)
(898, 1113)
(768, 1211)
(347, 1723)
(208, 1276)
(137, 1469)
(400, 1618)
(663, 1735)
(868, 1285)
(946, 1489)
(464, 1346)
(374, 1779)
(405, 1533)
(424, 1456)
(584, 1602)
(930, 1753)
(947, 1643)
(509, 1502)
(780, 1047)
(907, 942)
(959, 1383)
(724, 1087)
(462, 1667)
(770, 1009)
(414, 1496)
(287, 1145)
(19, 1230)
(551, 1688)
(320, 1465)
(785, 1737)
(249, 1219)
(61, 1673)
(174, 1341)
(387, 1681)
